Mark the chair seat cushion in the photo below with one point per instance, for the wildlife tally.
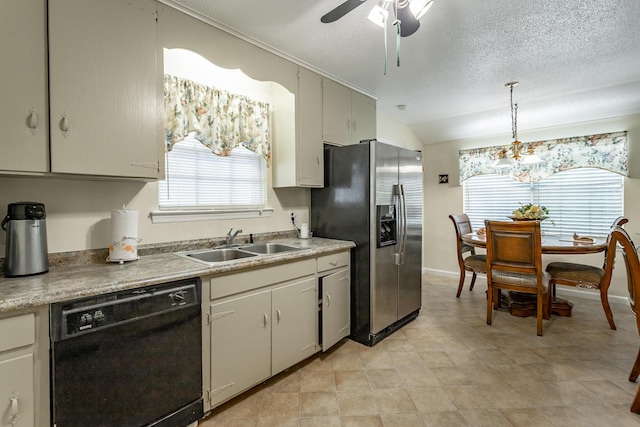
(584, 276)
(477, 263)
(519, 279)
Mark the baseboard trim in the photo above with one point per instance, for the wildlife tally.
(561, 290)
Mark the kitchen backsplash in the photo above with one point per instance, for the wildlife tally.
(99, 256)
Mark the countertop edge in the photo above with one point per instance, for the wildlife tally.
(64, 283)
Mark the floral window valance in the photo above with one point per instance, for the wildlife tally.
(605, 151)
(221, 120)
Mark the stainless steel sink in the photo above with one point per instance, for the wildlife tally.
(219, 255)
(269, 248)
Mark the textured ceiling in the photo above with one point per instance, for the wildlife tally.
(576, 60)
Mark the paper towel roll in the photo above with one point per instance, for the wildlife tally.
(304, 230)
(124, 235)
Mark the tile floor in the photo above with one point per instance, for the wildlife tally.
(449, 368)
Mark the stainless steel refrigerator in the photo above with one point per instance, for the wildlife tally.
(372, 195)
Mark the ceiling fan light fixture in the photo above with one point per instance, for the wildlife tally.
(379, 14)
(420, 7)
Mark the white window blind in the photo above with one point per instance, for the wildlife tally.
(583, 201)
(198, 179)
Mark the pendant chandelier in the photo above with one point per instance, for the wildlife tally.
(504, 159)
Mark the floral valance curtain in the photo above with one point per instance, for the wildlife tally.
(605, 151)
(220, 120)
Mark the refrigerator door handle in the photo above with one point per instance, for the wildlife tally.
(402, 244)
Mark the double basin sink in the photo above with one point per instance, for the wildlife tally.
(216, 255)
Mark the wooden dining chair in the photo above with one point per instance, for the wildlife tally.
(514, 263)
(632, 263)
(472, 262)
(588, 276)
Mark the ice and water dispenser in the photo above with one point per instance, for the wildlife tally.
(386, 225)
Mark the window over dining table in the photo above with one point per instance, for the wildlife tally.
(580, 181)
(583, 201)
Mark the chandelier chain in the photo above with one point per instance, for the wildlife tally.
(514, 116)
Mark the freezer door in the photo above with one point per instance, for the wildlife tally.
(384, 278)
(410, 272)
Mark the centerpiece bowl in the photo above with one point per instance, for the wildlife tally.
(530, 212)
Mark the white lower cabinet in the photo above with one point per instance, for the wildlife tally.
(260, 322)
(336, 307)
(295, 323)
(16, 391)
(24, 384)
(259, 334)
(240, 344)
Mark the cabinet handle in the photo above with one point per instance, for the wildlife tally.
(355, 125)
(328, 300)
(265, 319)
(65, 124)
(14, 409)
(278, 315)
(333, 263)
(318, 161)
(348, 124)
(32, 121)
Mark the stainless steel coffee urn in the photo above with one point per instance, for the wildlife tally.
(26, 250)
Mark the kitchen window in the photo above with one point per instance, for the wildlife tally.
(583, 201)
(198, 179)
(218, 144)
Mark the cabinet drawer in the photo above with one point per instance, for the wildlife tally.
(329, 262)
(222, 286)
(17, 331)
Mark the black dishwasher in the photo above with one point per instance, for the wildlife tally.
(128, 359)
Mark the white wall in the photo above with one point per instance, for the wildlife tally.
(391, 131)
(441, 200)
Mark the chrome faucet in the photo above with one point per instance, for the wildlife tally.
(230, 237)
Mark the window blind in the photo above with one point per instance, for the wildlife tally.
(583, 201)
(198, 179)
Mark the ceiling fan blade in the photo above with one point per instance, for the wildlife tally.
(340, 11)
(408, 23)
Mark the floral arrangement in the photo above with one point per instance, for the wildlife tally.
(530, 211)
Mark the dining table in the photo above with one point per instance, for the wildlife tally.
(522, 305)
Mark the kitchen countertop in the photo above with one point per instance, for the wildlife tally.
(67, 282)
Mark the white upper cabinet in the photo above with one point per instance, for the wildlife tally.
(298, 159)
(348, 116)
(363, 117)
(104, 76)
(23, 86)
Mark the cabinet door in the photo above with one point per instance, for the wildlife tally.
(295, 323)
(23, 86)
(363, 117)
(310, 167)
(240, 344)
(336, 308)
(104, 87)
(16, 392)
(336, 113)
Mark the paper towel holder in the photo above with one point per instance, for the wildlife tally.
(124, 230)
(120, 251)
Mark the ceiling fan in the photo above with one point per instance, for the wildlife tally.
(407, 13)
